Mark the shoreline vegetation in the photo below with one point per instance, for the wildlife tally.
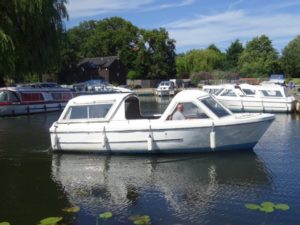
(34, 42)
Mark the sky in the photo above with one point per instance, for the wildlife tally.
(195, 24)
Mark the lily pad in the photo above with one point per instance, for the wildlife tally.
(283, 207)
(252, 206)
(267, 209)
(106, 215)
(50, 221)
(74, 209)
(267, 204)
(4, 223)
(140, 219)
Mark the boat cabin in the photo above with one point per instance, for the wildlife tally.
(31, 95)
(247, 90)
(126, 106)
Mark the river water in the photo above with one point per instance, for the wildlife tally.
(210, 188)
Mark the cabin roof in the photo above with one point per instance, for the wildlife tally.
(87, 99)
(188, 95)
(104, 62)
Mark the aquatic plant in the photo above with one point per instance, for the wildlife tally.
(4, 223)
(267, 207)
(73, 209)
(50, 221)
(105, 215)
(140, 219)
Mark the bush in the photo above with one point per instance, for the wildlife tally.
(197, 77)
(132, 75)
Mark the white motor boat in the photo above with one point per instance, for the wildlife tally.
(113, 123)
(165, 88)
(253, 98)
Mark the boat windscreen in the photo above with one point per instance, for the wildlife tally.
(215, 107)
(96, 111)
(217, 92)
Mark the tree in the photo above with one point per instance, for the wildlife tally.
(291, 58)
(30, 33)
(146, 53)
(199, 60)
(214, 48)
(156, 55)
(232, 55)
(183, 67)
(259, 58)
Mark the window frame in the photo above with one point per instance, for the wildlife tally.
(66, 116)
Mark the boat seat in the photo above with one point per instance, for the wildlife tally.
(132, 109)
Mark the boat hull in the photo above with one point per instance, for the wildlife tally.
(185, 137)
(23, 109)
(164, 92)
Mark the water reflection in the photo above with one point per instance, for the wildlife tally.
(184, 188)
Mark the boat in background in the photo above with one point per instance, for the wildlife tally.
(253, 98)
(99, 86)
(165, 88)
(113, 123)
(33, 98)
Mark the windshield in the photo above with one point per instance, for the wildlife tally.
(215, 107)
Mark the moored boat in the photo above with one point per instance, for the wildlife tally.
(253, 98)
(28, 100)
(113, 123)
(165, 88)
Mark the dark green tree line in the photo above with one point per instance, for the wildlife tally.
(147, 54)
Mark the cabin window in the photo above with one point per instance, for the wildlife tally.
(271, 93)
(3, 96)
(228, 92)
(87, 112)
(12, 97)
(32, 97)
(58, 96)
(249, 91)
(191, 111)
(215, 107)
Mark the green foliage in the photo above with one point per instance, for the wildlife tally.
(132, 75)
(291, 58)
(7, 56)
(259, 58)
(149, 53)
(4, 223)
(50, 221)
(283, 207)
(73, 209)
(232, 55)
(267, 207)
(214, 48)
(156, 55)
(199, 60)
(140, 219)
(105, 215)
(29, 35)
